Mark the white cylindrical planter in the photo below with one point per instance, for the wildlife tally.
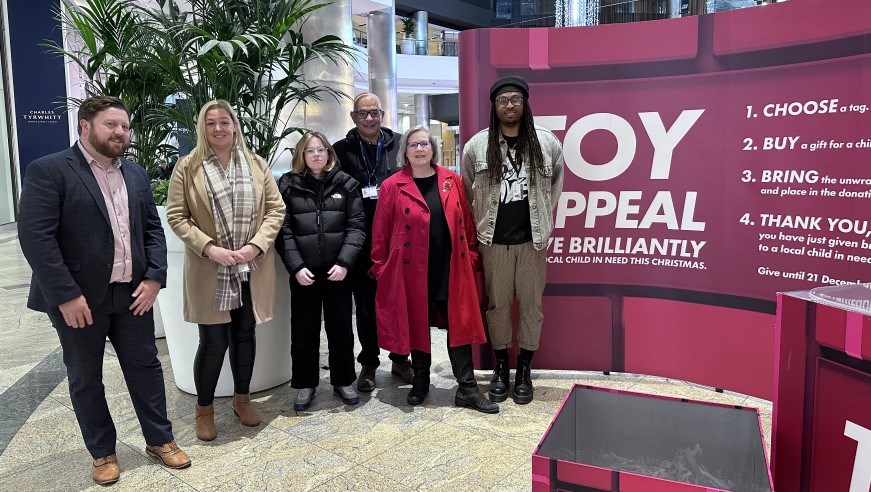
(272, 364)
(408, 46)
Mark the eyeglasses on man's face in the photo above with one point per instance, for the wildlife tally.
(315, 151)
(423, 144)
(363, 113)
(514, 100)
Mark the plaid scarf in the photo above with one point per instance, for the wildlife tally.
(234, 207)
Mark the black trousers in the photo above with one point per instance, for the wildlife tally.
(238, 336)
(363, 287)
(462, 364)
(333, 299)
(133, 340)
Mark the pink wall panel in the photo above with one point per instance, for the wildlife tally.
(715, 346)
(576, 334)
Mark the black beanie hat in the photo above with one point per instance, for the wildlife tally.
(509, 84)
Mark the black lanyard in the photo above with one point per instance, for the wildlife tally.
(516, 164)
(372, 168)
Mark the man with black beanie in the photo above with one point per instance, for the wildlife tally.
(513, 174)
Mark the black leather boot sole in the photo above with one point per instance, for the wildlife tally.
(521, 399)
(499, 395)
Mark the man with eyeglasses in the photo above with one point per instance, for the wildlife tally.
(513, 174)
(368, 153)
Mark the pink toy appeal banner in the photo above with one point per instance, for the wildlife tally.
(707, 183)
(685, 170)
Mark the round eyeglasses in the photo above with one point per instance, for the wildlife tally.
(503, 101)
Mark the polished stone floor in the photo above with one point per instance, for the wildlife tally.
(381, 444)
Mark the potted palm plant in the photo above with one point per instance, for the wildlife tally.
(167, 61)
(408, 41)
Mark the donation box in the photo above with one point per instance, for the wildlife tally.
(821, 426)
(609, 440)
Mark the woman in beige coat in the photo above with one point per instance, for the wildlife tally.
(224, 205)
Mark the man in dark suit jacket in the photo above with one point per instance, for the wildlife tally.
(91, 234)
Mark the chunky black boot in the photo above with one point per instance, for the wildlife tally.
(523, 382)
(468, 394)
(420, 363)
(499, 384)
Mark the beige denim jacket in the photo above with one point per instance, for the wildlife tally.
(484, 197)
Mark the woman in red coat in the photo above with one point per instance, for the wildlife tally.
(424, 254)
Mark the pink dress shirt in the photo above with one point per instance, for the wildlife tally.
(114, 189)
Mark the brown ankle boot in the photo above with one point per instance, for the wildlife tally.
(245, 411)
(204, 422)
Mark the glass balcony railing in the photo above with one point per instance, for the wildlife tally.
(443, 46)
(633, 11)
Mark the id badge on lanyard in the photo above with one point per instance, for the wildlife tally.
(371, 190)
(516, 191)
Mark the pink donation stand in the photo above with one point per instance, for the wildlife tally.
(610, 440)
(821, 432)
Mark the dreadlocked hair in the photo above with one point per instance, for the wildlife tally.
(527, 145)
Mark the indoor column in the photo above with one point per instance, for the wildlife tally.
(421, 33)
(673, 8)
(381, 33)
(421, 109)
(328, 115)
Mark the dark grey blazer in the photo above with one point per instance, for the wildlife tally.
(66, 236)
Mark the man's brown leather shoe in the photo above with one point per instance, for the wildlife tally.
(170, 455)
(366, 381)
(106, 470)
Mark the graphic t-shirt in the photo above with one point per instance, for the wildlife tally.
(513, 224)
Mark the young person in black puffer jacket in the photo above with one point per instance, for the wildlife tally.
(322, 236)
